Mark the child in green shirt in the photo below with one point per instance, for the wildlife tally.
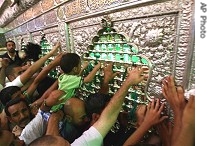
(71, 79)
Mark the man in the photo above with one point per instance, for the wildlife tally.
(41, 80)
(13, 90)
(19, 78)
(75, 120)
(12, 54)
(19, 115)
(95, 134)
(94, 105)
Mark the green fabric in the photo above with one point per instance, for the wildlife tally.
(68, 84)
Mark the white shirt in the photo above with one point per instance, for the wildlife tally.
(15, 82)
(35, 129)
(91, 137)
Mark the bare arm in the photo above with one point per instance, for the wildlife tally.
(53, 99)
(84, 66)
(108, 76)
(26, 75)
(186, 137)
(5, 63)
(164, 129)
(92, 74)
(43, 74)
(151, 118)
(35, 105)
(175, 97)
(53, 123)
(110, 113)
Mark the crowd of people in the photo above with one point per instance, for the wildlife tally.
(37, 110)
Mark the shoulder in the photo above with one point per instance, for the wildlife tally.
(4, 55)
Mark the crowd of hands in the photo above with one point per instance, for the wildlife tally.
(174, 130)
(178, 131)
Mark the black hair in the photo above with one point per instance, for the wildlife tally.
(33, 51)
(6, 94)
(69, 61)
(95, 103)
(9, 69)
(12, 102)
(9, 41)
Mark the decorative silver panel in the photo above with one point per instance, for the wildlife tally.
(154, 36)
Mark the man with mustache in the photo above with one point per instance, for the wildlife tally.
(18, 113)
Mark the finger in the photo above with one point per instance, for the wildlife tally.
(163, 118)
(149, 106)
(115, 74)
(172, 84)
(157, 104)
(191, 101)
(153, 104)
(180, 93)
(161, 108)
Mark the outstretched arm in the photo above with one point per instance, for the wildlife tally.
(53, 123)
(26, 75)
(4, 63)
(52, 99)
(92, 74)
(110, 113)
(186, 136)
(175, 97)
(43, 74)
(108, 76)
(151, 118)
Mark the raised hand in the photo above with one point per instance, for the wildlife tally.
(153, 113)
(136, 75)
(54, 50)
(174, 95)
(140, 114)
(56, 61)
(108, 72)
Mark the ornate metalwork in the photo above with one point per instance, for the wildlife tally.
(100, 4)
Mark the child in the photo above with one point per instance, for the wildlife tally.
(71, 79)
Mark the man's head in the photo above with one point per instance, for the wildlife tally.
(95, 104)
(74, 110)
(10, 45)
(33, 51)
(49, 140)
(71, 63)
(7, 138)
(9, 93)
(18, 112)
(12, 71)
